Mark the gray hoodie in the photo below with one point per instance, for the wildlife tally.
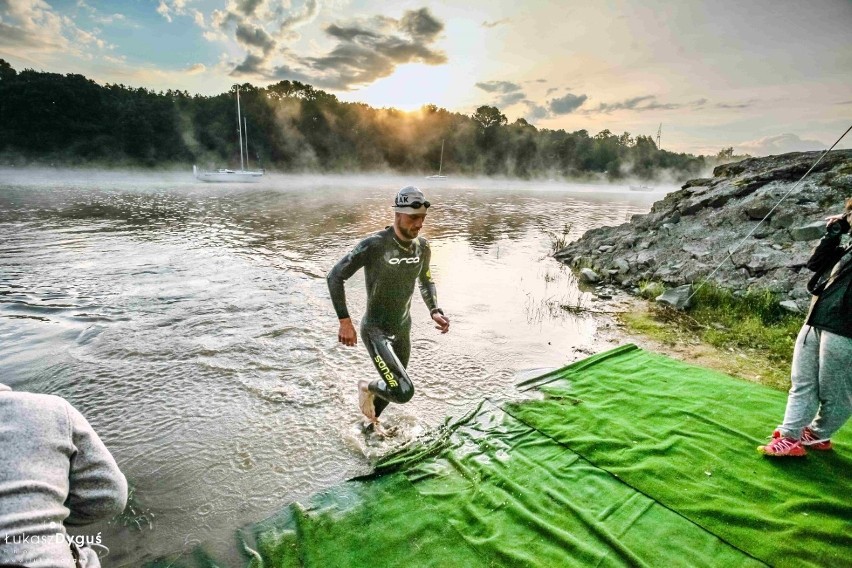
(54, 470)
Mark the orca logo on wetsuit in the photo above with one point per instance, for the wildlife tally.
(412, 260)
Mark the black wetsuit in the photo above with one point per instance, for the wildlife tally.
(390, 269)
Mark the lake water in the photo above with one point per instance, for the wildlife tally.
(191, 324)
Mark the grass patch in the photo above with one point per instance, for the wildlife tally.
(751, 330)
(557, 241)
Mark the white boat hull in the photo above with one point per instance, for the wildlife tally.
(228, 176)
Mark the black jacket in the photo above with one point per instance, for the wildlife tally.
(831, 286)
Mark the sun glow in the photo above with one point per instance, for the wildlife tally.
(410, 87)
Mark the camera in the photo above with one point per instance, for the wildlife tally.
(838, 228)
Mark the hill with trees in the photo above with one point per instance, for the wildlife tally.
(50, 118)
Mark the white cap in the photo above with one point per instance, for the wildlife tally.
(405, 197)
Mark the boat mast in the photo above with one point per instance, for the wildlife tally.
(441, 163)
(245, 126)
(240, 129)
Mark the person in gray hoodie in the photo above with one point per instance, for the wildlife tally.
(54, 471)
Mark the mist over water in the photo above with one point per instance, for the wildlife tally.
(191, 324)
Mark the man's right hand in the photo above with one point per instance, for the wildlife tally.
(346, 334)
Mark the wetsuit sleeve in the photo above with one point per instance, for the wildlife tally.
(826, 254)
(342, 271)
(427, 285)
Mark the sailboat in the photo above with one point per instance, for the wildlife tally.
(242, 175)
(440, 166)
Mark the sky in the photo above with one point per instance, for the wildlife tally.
(761, 76)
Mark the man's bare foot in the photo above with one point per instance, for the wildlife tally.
(374, 428)
(365, 401)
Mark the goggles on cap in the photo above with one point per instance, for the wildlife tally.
(416, 205)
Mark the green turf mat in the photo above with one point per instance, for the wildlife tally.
(686, 437)
(499, 494)
(623, 459)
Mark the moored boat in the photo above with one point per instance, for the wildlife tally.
(242, 175)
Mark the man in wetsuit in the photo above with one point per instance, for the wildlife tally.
(392, 260)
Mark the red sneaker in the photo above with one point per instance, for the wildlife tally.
(812, 441)
(782, 447)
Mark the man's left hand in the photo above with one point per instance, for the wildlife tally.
(442, 322)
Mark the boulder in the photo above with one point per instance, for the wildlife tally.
(678, 297)
(759, 211)
(622, 265)
(809, 232)
(589, 276)
(782, 220)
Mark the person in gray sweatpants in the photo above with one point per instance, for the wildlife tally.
(54, 470)
(820, 398)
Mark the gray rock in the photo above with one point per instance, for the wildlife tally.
(762, 231)
(758, 212)
(588, 275)
(716, 215)
(790, 306)
(678, 297)
(646, 256)
(798, 293)
(782, 220)
(809, 232)
(696, 250)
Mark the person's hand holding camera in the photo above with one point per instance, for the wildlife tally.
(837, 225)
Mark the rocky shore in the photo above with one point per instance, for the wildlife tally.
(690, 232)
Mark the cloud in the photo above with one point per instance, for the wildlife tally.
(495, 23)
(780, 144)
(98, 17)
(421, 25)
(247, 7)
(550, 91)
(510, 98)
(498, 86)
(290, 23)
(30, 26)
(745, 104)
(168, 8)
(535, 112)
(251, 36)
(507, 93)
(641, 104)
(365, 49)
(196, 69)
(566, 104)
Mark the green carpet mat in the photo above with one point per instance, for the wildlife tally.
(630, 459)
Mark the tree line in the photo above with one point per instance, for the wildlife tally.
(293, 127)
